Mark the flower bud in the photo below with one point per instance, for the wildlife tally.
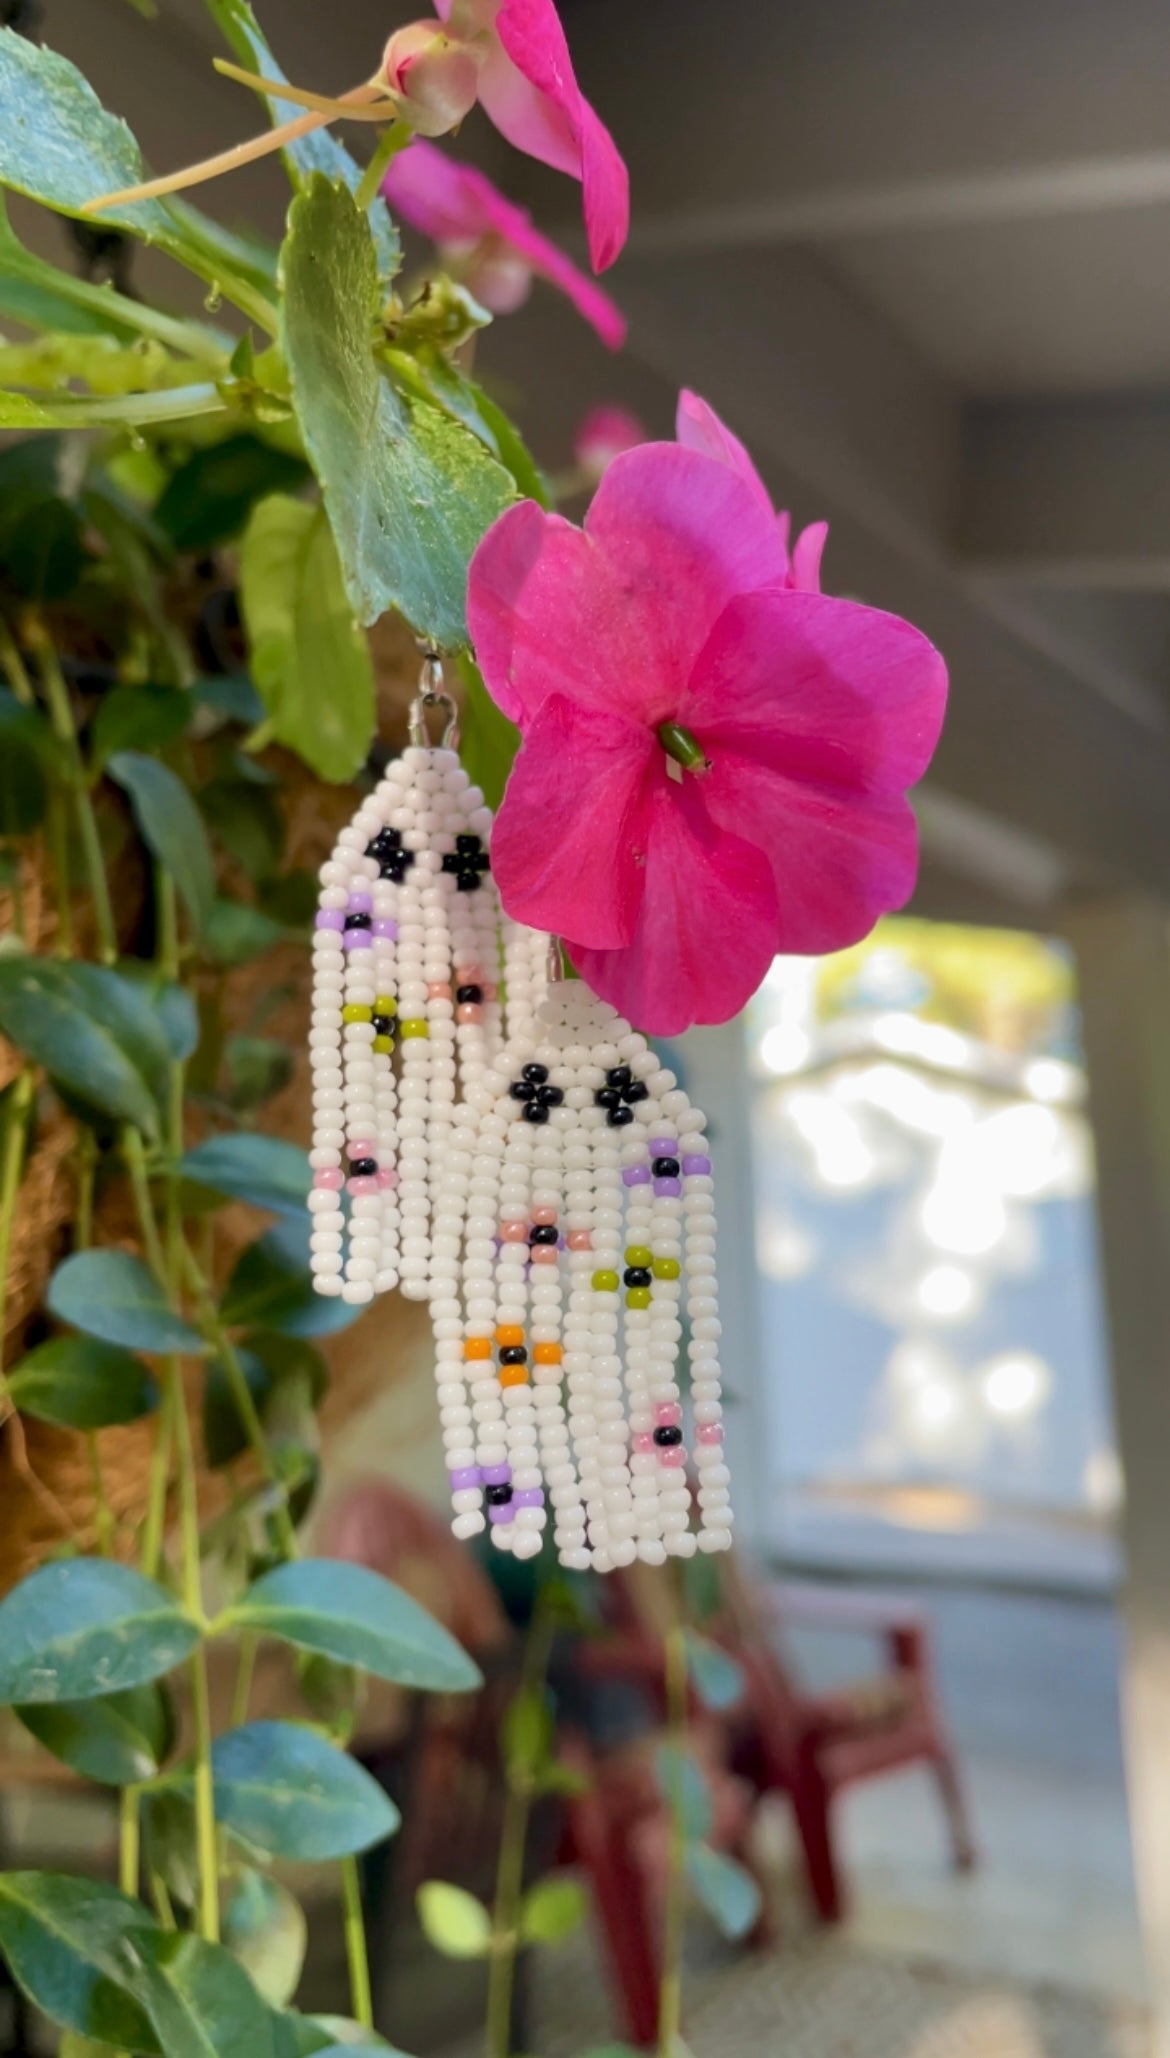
(434, 78)
(603, 435)
(499, 277)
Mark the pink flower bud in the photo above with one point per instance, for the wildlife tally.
(603, 435)
(435, 79)
(498, 276)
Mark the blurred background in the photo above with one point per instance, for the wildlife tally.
(917, 256)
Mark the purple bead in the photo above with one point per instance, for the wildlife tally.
(528, 1497)
(358, 939)
(668, 1189)
(497, 1475)
(695, 1162)
(330, 918)
(465, 1476)
(663, 1146)
(385, 927)
(501, 1514)
(636, 1175)
(361, 903)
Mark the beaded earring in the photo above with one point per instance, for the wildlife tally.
(407, 954)
(574, 1208)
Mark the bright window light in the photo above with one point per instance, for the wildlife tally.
(947, 1292)
(1015, 1386)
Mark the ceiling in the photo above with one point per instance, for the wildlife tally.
(919, 255)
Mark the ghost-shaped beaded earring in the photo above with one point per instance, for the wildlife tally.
(407, 956)
(575, 1211)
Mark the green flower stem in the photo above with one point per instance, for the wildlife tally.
(207, 1316)
(205, 1837)
(154, 1527)
(134, 1158)
(510, 1864)
(670, 1992)
(129, 1843)
(15, 669)
(11, 1164)
(61, 717)
(357, 1956)
(160, 1898)
(391, 141)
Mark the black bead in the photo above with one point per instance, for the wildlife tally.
(452, 862)
(665, 1437)
(468, 845)
(385, 841)
(396, 867)
(467, 882)
(514, 1354)
(536, 1073)
(544, 1232)
(521, 1090)
(619, 1076)
(535, 1113)
(665, 1168)
(358, 922)
(636, 1090)
(361, 1168)
(637, 1275)
(550, 1096)
(618, 1118)
(497, 1496)
(608, 1097)
(471, 996)
(383, 1025)
(483, 862)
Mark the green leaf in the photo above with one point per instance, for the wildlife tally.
(409, 491)
(288, 1793)
(264, 1927)
(551, 1910)
(207, 501)
(262, 1170)
(271, 1287)
(527, 1732)
(310, 662)
(298, 2036)
(726, 1890)
(237, 933)
(40, 528)
(232, 696)
(319, 151)
(119, 1740)
(267, 1360)
(111, 1295)
(201, 2003)
(684, 1786)
(248, 822)
(74, 1020)
(172, 827)
(136, 718)
(716, 1677)
(453, 1920)
(73, 1946)
(354, 1615)
(168, 1010)
(24, 791)
(488, 741)
(82, 1628)
(78, 1383)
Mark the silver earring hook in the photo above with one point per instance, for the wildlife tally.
(555, 964)
(432, 692)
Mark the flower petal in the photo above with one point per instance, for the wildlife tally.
(706, 930)
(615, 616)
(806, 557)
(698, 427)
(532, 96)
(569, 842)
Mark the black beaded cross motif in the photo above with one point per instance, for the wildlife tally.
(393, 861)
(469, 861)
(618, 1095)
(536, 1095)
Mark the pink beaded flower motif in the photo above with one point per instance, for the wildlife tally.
(714, 763)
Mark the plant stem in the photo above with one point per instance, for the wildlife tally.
(205, 1839)
(87, 1154)
(156, 1505)
(510, 1864)
(128, 1854)
(357, 1956)
(61, 717)
(102, 1513)
(11, 1163)
(57, 837)
(15, 669)
(670, 1992)
(392, 140)
(213, 1329)
(243, 1687)
(134, 1158)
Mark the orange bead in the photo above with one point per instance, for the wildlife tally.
(509, 1335)
(547, 1353)
(513, 1375)
(478, 1347)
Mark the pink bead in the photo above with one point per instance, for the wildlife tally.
(545, 1216)
(387, 1178)
(673, 1455)
(362, 1147)
(513, 1232)
(366, 1183)
(544, 1254)
(468, 1011)
(439, 989)
(580, 1240)
(710, 1432)
(330, 1180)
(468, 975)
(668, 1415)
(644, 1442)
(490, 992)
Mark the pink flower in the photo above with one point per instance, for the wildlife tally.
(528, 89)
(435, 77)
(493, 245)
(667, 634)
(699, 427)
(603, 435)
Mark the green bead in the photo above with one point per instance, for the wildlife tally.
(385, 1004)
(664, 1268)
(638, 1297)
(384, 1044)
(605, 1282)
(354, 1012)
(638, 1254)
(413, 1028)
